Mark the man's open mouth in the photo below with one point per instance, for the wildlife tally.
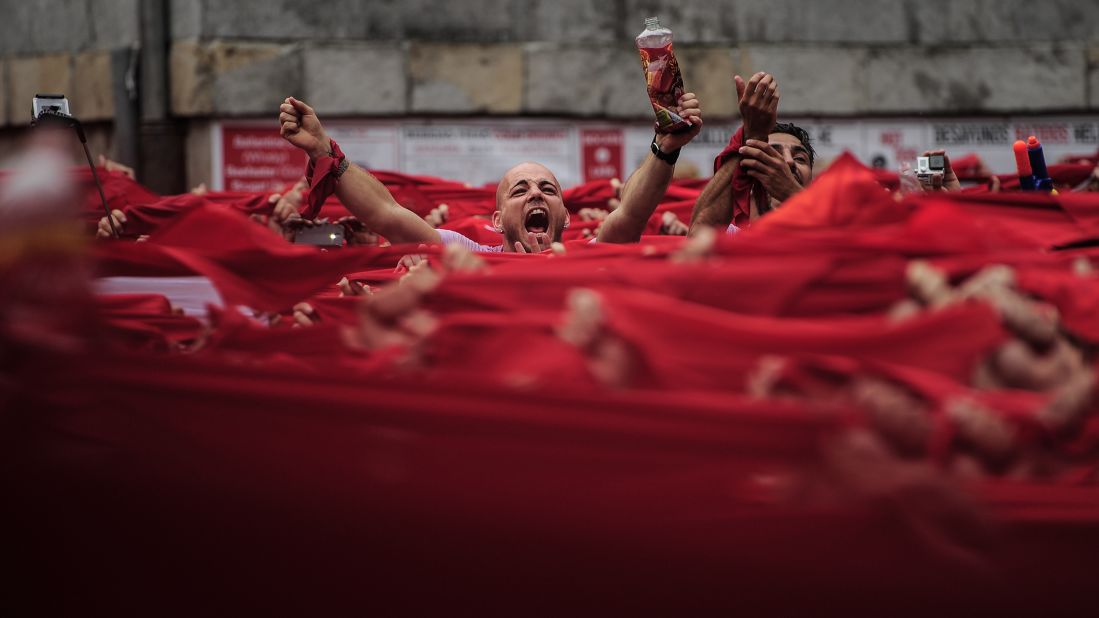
(536, 220)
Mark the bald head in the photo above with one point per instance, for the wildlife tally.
(528, 172)
(528, 201)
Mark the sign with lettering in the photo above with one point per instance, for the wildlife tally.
(250, 156)
(601, 153)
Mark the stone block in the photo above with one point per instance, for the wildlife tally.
(691, 21)
(359, 79)
(966, 80)
(1010, 21)
(114, 23)
(821, 21)
(568, 21)
(254, 78)
(189, 80)
(811, 79)
(466, 78)
(708, 72)
(354, 20)
(232, 78)
(92, 97)
(47, 74)
(285, 19)
(927, 21)
(480, 21)
(585, 81)
(30, 28)
(185, 19)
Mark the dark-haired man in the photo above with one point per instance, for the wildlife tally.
(765, 164)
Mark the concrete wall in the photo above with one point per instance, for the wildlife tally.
(568, 57)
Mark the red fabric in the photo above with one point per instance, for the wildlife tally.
(145, 321)
(846, 194)
(322, 180)
(743, 185)
(969, 167)
(491, 461)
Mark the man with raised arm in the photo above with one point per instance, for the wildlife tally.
(765, 163)
(530, 212)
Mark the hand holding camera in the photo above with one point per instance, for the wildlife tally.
(934, 172)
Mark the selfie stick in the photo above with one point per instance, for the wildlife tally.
(49, 115)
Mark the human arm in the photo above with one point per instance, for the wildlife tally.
(647, 185)
(759, 112)
(714, 207)
(362, 194)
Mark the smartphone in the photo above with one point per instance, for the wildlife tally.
(322, 235)
(50, 103)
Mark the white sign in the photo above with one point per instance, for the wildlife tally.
(479, 151)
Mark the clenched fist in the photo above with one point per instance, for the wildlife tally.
(299, 125)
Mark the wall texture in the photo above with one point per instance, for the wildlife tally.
(566, 57)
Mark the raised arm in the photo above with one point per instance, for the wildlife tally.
(646, 186)
(759, 113)
(362, 194)
(714, 207)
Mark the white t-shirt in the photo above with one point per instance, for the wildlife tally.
(450, 237)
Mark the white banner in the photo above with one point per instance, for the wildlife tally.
(478, 151)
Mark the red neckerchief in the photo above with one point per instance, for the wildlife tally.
(743, 184)
(322, 180)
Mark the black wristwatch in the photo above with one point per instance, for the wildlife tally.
(669, 158)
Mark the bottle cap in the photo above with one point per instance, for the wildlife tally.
(652, 23)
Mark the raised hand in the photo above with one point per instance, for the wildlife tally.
(299, 125)
(758, 104)
(690, 109)
(948, 181)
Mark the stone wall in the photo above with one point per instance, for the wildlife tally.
(575, 57)
(568, 57)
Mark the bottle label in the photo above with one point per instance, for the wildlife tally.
(665, 85)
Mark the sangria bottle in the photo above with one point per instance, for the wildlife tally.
(662, 76)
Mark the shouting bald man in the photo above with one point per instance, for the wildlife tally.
(530, 211)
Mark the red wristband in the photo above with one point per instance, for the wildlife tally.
(323, 176)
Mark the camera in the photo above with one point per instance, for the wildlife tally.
(49, 104)
(926, 167)
(321, 235)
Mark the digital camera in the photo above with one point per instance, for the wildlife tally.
(49, 104)
(926, 167)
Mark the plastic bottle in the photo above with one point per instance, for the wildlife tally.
(662, 76)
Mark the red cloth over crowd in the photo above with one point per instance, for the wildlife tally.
(621, 428)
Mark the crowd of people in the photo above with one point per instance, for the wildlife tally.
(775, 336)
